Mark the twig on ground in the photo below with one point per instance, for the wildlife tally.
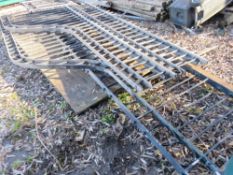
(43, 144)
(207, 50)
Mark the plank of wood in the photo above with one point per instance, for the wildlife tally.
(218, 83)
(77, 88)
(148, 9)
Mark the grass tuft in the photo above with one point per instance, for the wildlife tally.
(17, 164)
(108, 117)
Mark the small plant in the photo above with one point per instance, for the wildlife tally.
(108, 117)
(17, 164)
(68, 115)
(146, 96)
(195, 110)
(173, 106)
(125, 97)
(208, 88)
(28, 112)
(104, 131)
(63, 105)
(16, 125)
(29, 159)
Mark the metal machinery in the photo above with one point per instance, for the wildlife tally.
(186, 13)
(176, 106)
(195, 12)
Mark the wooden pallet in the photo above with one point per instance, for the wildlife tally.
(146, 8)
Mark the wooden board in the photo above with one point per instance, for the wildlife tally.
(213, 79)
(147, 8)
(77, 88)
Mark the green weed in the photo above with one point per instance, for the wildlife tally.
(63, 105)
(17, 164)
(108, 118)
(29, 159)
(125, 97)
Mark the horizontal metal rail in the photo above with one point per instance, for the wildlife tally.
(108, 17)
(137, 82)
(107, 21)
(19, 59)
(150, 64)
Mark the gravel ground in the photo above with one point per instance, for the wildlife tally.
(40, 134)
